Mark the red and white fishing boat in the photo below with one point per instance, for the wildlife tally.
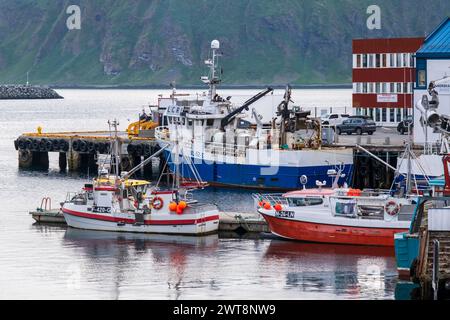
(336, 215)
(118, 203)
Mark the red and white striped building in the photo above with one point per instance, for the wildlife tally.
(383, 76)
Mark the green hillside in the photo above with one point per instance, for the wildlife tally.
(142, 42)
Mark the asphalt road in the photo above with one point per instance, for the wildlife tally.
(384, 136)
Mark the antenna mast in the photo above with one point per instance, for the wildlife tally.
(213, 63)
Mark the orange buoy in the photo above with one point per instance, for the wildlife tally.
(278, 207)
(173, 206)
(261, 204)
(182, 205)
(267, 206)
(179, 210)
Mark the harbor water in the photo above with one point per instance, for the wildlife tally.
(54, 262)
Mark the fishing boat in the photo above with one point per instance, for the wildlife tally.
(116, 202)
(229, 150)
(336, 215)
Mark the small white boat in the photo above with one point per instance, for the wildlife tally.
(118, 203)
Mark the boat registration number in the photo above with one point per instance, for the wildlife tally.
(101, 209)
(285, 214)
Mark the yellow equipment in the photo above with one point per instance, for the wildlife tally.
(135, 127)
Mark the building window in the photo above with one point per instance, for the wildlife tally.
(358, 87)
(392, 115)
(392, 60)
(384, 60)
(358, 61)
(399, 87)
(392, 87)
(384, 87)
(377, 115)
(399, 114)
(405, 87)
(404, 60)
(371, 62)
(422, 82)
(364, 60)
(365, 87)
(383, 115)
(377, 61)
(399, 60)
(370, 87)
(377, 88)
(411, 60)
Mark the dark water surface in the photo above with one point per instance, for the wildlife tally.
(48, 262)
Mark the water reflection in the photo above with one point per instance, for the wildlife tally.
(346, 271)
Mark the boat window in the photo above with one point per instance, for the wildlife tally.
(190, 122)
(210, 122)
(345, 208)
(305, 202)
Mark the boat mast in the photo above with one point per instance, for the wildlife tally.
(115, 146)
(213, 63)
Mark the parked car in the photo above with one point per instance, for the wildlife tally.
(333, 119)
(358, 126)
(403, 126)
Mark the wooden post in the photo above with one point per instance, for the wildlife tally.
(62, 161)
(25, 159)
(74, 161)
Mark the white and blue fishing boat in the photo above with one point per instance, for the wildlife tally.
(226, 149)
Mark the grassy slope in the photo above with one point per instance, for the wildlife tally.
(264, 41)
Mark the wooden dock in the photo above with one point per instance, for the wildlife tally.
(432, 270)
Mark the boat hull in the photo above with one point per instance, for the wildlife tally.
(284, 177)
(329, 233)
(81, 220)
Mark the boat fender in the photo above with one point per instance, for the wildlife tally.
(157, 203)
(35, 145)
(28, 143)
(91, 146)
(55, 145)
(138, 150)
(83, 146)
(76, 145)
(147, 150)
(392, 208)
(278, 207)
(130, 149)
(63, 145)
(21, 144)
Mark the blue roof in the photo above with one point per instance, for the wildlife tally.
(437, 44)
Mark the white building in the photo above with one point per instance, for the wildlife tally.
(432, 64)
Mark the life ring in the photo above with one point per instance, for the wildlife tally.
(157, 203)
(392, 208)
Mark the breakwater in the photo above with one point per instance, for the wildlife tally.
(27, 92)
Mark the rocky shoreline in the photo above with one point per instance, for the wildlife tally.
(27, 92)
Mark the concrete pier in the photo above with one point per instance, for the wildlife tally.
(78, 151)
